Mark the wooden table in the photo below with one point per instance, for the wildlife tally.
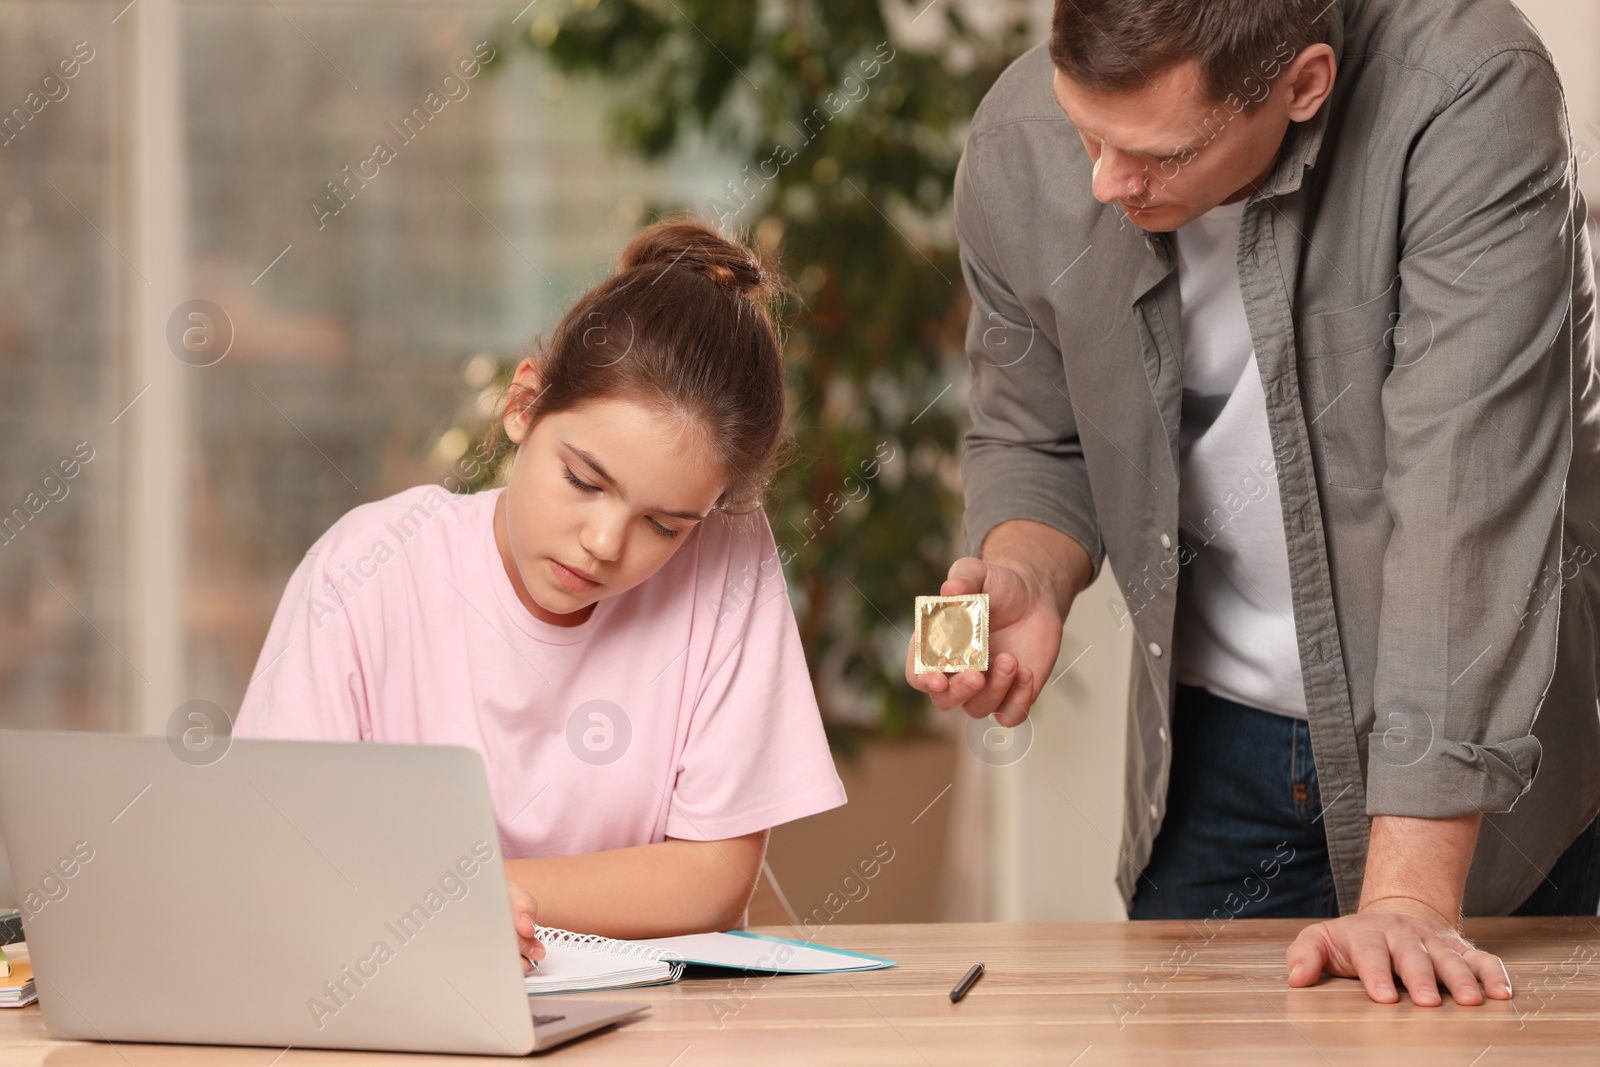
(1079, 994)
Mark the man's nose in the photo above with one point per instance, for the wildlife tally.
(1118, 176)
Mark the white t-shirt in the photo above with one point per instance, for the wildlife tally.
(1234, 631)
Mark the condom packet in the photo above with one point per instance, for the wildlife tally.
(952, 633)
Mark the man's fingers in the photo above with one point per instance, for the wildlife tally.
(954, 690)
(1017, 702)
(980, 694)
(931, 682)
(969, 684)
(1491, 973)
(983, 702)
(966, 575)
(1370, 958)
(1010, 598)
(1414, 965)
(1305, 957)
(1378, 949)
(1456, 975)
(934, 683)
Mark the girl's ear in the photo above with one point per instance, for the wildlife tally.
(525, 386)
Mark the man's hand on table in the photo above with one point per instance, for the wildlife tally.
(1404, 937)
(1396, 930)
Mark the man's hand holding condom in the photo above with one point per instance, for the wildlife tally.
(1024, 638)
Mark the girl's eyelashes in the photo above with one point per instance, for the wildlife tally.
(585, 486)
(664, 531)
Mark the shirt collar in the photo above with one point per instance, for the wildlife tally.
(1302, 144)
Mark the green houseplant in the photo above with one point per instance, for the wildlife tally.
(845, 147)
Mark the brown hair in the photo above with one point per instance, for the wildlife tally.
(684, 326)
(1115, 46)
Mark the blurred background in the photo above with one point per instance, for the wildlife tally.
(241, 320)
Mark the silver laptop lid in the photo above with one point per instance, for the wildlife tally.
(315, 894)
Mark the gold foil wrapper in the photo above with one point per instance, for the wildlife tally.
(952, 633)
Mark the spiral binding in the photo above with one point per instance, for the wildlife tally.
(554, 935)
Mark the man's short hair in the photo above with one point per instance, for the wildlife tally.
(1118, 46)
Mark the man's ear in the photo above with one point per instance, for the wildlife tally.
(1309, 80)
(525, 385)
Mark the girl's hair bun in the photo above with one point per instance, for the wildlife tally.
(689, 245)
(685, 323)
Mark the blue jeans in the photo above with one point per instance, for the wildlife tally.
(1243, 836)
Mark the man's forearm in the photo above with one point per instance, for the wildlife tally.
(1058, 563)
(1420, 859)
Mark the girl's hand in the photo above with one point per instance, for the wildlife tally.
(524, 915)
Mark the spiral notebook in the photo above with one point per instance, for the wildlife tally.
(583, 962)
(576, 963)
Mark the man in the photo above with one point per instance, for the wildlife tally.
(1285, 307)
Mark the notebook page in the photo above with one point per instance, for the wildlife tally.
(584, 962)
(565, 969)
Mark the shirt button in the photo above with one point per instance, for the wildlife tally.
(1155, 649)
(1161, 732)
(1166, 542)
(1155, 813)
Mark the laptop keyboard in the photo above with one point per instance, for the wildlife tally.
(545, 1020)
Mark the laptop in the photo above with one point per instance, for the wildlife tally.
(314, 894)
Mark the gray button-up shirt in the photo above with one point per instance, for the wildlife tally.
(1417, 280)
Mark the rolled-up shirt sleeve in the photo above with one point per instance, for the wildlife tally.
(1478, 441)
(1022, 458)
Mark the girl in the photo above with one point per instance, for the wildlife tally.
(611, 630)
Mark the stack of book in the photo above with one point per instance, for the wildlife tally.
(16, 979)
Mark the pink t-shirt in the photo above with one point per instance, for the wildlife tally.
(680, 708)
